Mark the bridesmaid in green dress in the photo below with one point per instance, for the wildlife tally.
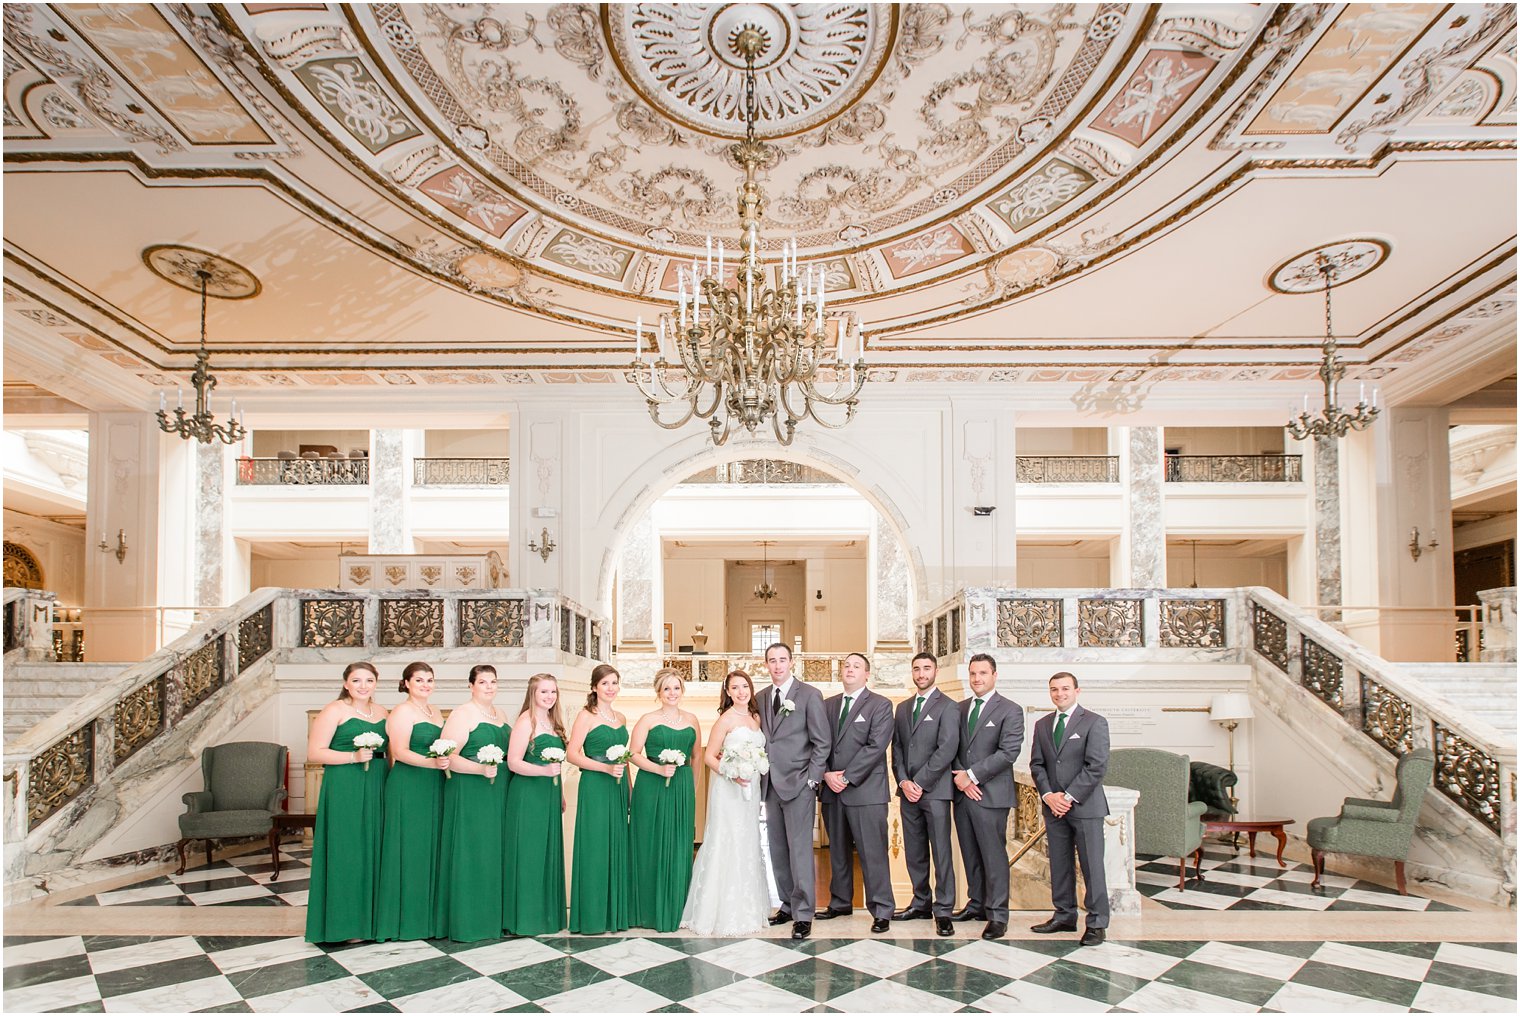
(474, 800)
(345, 850)
(534, 902)
(663, 820)
(599, 873)
(413, 813)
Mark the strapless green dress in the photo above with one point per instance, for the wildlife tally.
(534, 889)
(408, 904)
(599, 872)
(662, 830)
(470, 850)
(345, 849)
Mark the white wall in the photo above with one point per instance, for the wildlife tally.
(744, 610)
(58, 548)
(695, 594)
(1062, 441)
(836, 623)
(319, 571)
(1224, 440)
(1219, 568)
(1045, 566)
(466, 444)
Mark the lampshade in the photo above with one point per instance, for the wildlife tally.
(1233, 705)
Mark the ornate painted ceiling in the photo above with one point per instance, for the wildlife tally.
(1101, 195)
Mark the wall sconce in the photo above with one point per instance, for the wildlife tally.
(544, 546)
(120, 548)
(1415, 550)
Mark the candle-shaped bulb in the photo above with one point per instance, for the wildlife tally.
(179, 398)
(638, 338)
(163, 402)
(1306, 404)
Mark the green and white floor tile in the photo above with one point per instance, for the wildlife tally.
(578, 974)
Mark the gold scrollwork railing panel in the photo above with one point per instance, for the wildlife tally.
(682, 667)
(817, 670)
(332, 623)
(580, 636)
(139, 718)
(1323, 672)
(1192, 624)
(200, 675)
(565, 623)
(714, 670)
(59, 773)
(1029, 624)
(461, 472)
(1269, 635)
(1066, 469)
(491, 623)
(955, 629)
(762, 471)
(255, 636)
(1234, 468)
(408, 623)
(1108, 623)
(302, 472)
(1386, 718)
(1027, 817)
(1467, 775)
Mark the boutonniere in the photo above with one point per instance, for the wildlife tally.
(787, 707)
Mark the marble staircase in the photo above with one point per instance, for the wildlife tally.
(1487, 690)
(35, 691)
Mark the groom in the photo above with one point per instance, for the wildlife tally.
(797, 741)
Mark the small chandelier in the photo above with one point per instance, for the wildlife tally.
(201, 425)
(1332, 421)
(750, 352)
(765, 591)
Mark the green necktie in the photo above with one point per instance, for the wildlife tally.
(1060, 729)
(976, 712)
(844, 711)
(918, 704)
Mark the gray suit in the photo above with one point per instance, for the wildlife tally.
(1076, 768)
(798, 746)
(924, 752)
(856, 817)
(988, 753)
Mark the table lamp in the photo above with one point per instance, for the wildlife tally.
(1230, 709)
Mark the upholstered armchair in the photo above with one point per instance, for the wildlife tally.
(245, 787)
(1211, 784)
(1166, 822)
(1377, 828)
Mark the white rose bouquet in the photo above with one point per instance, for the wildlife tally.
(672, 757)
(744, 763)
(490, 755)
(371, 740)
(552, 755)
(618, 754)
(443, 748)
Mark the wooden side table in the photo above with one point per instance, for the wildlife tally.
(1251, 826)
(282, 823)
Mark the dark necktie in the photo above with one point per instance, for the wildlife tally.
(1060, 729)
(844, 711)
(776, 702)
(976, 714)
(918, 705)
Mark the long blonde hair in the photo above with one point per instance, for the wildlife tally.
(555, 718)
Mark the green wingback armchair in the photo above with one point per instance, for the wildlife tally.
(1376, 828)
(245, 787)
(1166, 822)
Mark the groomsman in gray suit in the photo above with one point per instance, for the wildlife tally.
(925, 739)
(1069, 758)
(992, 731)
(855, 796)
(797, 741)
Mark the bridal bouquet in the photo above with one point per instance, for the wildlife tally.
(371, 740)
(553, 755)
(672, 757)
(745, 762)
(443, 748)
(490, 755)
(618, 754)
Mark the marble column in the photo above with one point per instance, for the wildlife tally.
(638, 585)
(1145, 541)
(889, 606)
(390, 530)
(1327, 521)
(210, 524)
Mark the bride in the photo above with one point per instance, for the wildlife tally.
(729, 894)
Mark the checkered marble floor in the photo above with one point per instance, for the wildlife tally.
(241, 881)
(575, 974)
(1240, 882)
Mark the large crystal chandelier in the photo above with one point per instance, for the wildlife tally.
(766, 592)
(1332, 420)
(751, 352)
(201, 425)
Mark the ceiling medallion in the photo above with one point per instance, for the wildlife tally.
(1332, 267)
(1348, 260)
(183, 266)
(819, 59)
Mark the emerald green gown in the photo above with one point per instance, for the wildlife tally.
(599, 873)
(408, 902)
(345, 849)
(470, 849)
(662, 829)
(534, 889)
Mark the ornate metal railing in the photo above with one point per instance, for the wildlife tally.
(303, 472)
(1234, 468)
(1066, 469)
(987, 620)
(820, 667)
(461, 472)
(762, 471)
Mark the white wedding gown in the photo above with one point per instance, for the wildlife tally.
(729, 895)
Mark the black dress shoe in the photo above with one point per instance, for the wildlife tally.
(780, 917)
(802, 929)
(943, 927)
(911, 914)
(995, 929)
(967, 914)
(880, 925)
(1052, 926)
(830, 914)
(1092, 936)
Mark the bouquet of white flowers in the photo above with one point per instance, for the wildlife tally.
(371, 740)
(745, 762)
(618, 754)
(443, 748)
(490, 755)
(553, 755)
(672, 757)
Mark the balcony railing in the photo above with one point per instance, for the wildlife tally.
(1234, 468)
(1067, 469)
(461, 472)
(307, 472)
(760, 471)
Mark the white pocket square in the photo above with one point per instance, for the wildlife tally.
(928, 719)
(987, 724)
(860, 719)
